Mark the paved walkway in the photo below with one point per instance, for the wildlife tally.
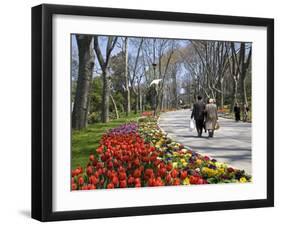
(231, 143)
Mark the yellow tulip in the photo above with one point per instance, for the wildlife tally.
(199, 162)
(243, 180)
(175, 164)
(186, 181)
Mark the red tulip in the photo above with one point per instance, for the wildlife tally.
(200, 181)
(110, 186)
(196, 180)
(149, 172)
(137, 181)
(91, 187)
(176, 181)
(162, 172)
(122, 176)
(115, 180)
(137, 173)
(103, 158)
(77, 171)
(115, 163)
(183, 175)
(99, 165)
(110, 165)
(73, 186)
(123, 184)
(93, 180)
(92, 157)
(85, 187)
(168, 178)
(81, 180)
(174, 173)
(169, 166)
(150, 182)
(94, 162)
(89, 170)
(137, 162)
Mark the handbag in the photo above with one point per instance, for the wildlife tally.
(191, 125)
(217, 126)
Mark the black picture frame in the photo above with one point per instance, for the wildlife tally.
(42, 111)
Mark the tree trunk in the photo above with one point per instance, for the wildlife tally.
(139, 99)
(245, 92)
(143, 102)
(235, 87)
(222, 100)
(104, 66)
(156, 104)
(128, 98)
(115, 107)
(136, 102)
(105, 98)
(161, 97)
(86, 63)
(140, 102)
(222, 93)
(174, 90)
(244, 69)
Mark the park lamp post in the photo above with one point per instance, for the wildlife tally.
(154, 69)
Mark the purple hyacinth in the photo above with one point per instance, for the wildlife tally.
(124, 129)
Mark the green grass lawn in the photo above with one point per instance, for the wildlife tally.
(85, 142)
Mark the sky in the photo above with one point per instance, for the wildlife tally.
(116, 50)
(131, 49)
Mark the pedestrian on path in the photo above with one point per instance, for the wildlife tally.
(198, 114)
(211, 117)
(237, 112)
(245, 112)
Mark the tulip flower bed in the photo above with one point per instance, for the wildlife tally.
(147, 113)
(141, 155)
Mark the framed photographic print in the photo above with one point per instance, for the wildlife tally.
(146, 112)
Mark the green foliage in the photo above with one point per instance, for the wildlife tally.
(150, 96)
(117, 64)
(119, 101)
(94, 117)
(96, 95)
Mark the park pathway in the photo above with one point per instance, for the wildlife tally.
(231, 143)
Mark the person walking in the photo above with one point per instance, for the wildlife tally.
(245, 113)
(198, 114)
(211, 117)
(237, 112)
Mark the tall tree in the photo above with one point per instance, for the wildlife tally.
(240, 64)
(126, 77)
(245, 62)
(135, 74)
(103, 62)
(86, 64)
(164, 60)
(214, 60)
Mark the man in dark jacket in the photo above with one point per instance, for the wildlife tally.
(198, 113)
(237, 112)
